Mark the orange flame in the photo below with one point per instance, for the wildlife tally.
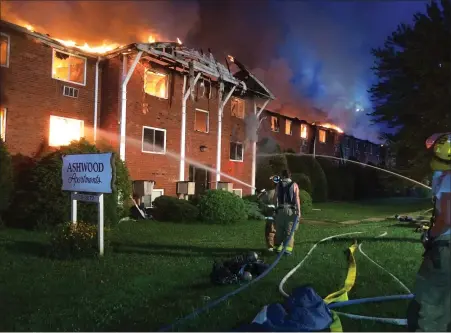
(91, 49)
(179, 41)
(232, 59)
(151, 39)
(331, 126)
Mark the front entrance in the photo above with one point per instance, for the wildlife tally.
(201, 177)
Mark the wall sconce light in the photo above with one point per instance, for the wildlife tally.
(203, 148)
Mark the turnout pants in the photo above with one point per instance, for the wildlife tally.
(430, 310)
(284, 222)
(270, 233)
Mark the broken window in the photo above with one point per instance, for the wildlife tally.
(274, 124)
(237, 107)
(236, 151)
(288, 123)
(68, 67)
(65, 130)
(201, 121)
(156, 84)
(4, 50)
(154, 140)
(322, 136)
(304, 131)
(3, 124)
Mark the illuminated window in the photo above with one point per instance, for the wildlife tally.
(274, 124)
(4, 50)
(156, 84)
(68, 67)
(154, 140)
(3, 124)
(238, 192)
(65, 130)
(201, 121)
(288, 123)
(237, 107)
(236, 151)
(322, 136)
(304, 131)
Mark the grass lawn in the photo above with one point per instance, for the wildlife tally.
(156, 272)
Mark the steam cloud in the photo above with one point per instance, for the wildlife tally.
(314, 56)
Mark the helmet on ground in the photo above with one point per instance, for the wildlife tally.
(247, 276)
(440, 143)
(252, 257)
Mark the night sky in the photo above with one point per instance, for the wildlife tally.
(311, 54)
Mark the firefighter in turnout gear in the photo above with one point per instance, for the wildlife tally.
(288, 205)
(266, 199)
(430, 310)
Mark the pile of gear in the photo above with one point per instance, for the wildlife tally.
(238, 269)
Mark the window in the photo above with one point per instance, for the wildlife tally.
(322, 136)
(65, 130)
(288, 123)
(236, 151)
(156, 84)
(4, 50)
(304, 131)
(154, 140)
(3, 124)
(201, 121)
(238, 192)
(68, 67)
(237, 107)
(274, 124)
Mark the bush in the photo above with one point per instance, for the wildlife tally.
(223, 207)
(303, 181)
(172, 209)
(70, 240)
(42, 203)
(306, 202)
(6, 179)
(251, 198)
(253, 210)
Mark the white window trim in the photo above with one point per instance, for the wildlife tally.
(72, 55)
(3, 126)
(158, 73)
(325, 136)
(278, 127)
(240, 190)
(291, 126)
(240, 100)
(142, 141)
(242, 152)
(8, 49)
(208, 120)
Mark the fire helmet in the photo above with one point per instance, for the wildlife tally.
(440, 143)
(247, 276)
(252, 257)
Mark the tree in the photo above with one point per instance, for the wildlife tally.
(413, 92)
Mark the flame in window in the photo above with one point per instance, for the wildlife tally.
(65, 130)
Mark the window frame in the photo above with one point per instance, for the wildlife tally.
(158, 73)
(208, 120)
(239, 100)
(306, 131)
(154, 152)
(82, 134)
(291, 126)
(3, 124)
(8, 49)
(278, 124)
(238, 189)
(75, 56)
(242, 151)
(325, 135)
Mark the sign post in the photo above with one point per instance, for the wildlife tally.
(88, 177)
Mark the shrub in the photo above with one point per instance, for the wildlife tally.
(303, 181)
(6, 179)
(168, 208)
(70, 240)
(223, 207)
(253, 210)
(251, 198)
(306, 202)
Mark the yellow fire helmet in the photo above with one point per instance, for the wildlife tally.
(441, 145)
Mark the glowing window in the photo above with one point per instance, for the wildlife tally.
(274, 124)
(304, 131)
(236, 151)
(65, 130)
(4, 50)
(322, 136)
(154, 140)
(237, 107)
(3, 124)
(69, 68)
(288, 127)
(156, 84)
(201, 121)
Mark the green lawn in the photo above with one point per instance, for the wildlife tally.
(155, 272)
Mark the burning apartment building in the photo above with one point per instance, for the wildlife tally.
(168, 110)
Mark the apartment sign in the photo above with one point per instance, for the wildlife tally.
(92, 173)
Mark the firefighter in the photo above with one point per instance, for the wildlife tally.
(288, 205)
(430, 309)
(266, 199)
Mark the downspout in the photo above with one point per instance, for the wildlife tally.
(222, 103)
(185, 96)
(96, 98)
(124, 102)
(254, 147)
